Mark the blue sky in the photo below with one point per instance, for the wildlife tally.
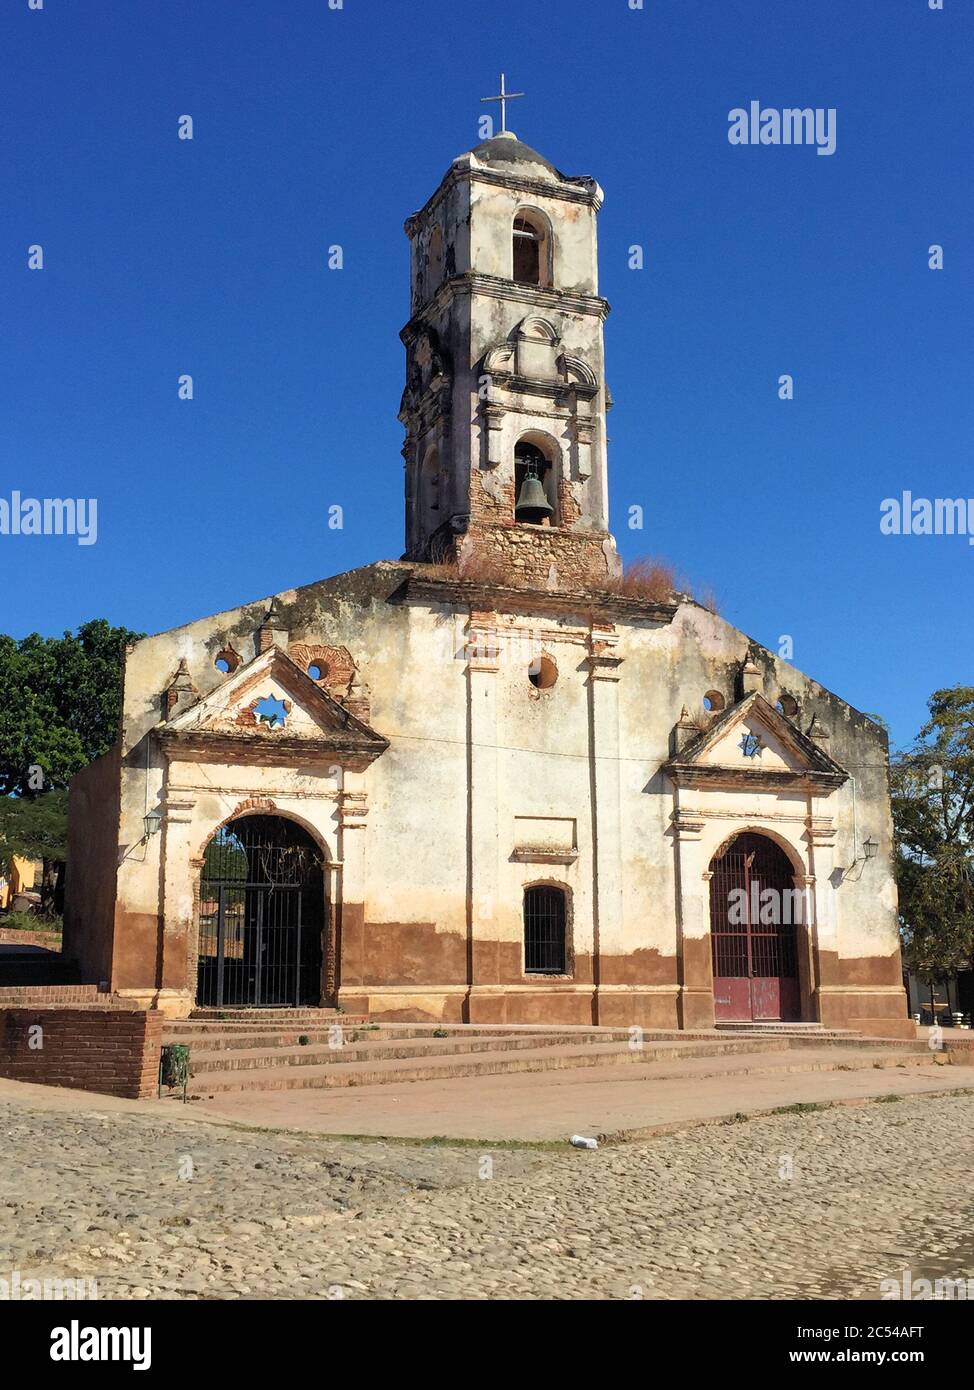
(314, 126)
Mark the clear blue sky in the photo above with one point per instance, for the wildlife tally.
(315, 126)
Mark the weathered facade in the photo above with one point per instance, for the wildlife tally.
(488, 781)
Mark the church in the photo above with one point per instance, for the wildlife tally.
(497, 780)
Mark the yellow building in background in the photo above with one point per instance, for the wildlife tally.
(16, 876)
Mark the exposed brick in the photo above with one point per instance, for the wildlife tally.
(107, 1048)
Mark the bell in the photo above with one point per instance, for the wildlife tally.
(532, 504)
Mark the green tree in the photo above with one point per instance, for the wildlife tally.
(35, 826)
(60, 700)
(932, 787)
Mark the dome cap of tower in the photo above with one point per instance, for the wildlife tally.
(505, 153)
(505, 149)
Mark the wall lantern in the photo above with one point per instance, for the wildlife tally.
(869, 848)
(153, 823)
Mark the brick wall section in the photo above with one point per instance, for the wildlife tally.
(51, 941)
(527, 553)
(39, 996)
(111, 1050)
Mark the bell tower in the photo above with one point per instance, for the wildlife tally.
(505, 400)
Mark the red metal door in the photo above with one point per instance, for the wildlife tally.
(753, 914)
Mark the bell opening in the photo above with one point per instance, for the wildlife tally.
(531, 473)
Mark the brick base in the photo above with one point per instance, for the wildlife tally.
(114, 1051)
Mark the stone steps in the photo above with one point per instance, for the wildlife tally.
(269, 1016)
(179, 1029)
(217, 1037)
(263, 1069)
(248, 1049)
(258, 1056)
(792, 1030)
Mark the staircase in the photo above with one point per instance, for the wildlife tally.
(791, 1030)
(304, 1049)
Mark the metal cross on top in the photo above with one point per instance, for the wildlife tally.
(504, 97)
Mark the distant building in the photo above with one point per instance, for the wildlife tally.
(941, 1001)
(17, 875)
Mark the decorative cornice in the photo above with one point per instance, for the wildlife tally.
(178, 808)
(555, 389)
(585, 191)
(544, 856)
(353, 810)
(270, 750)
(496, 287)
(582, 190)
(687, 823)
(466, 594)
(686, 774)
(821, 831)
(603, 666)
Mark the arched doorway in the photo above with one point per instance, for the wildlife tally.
(262, 911)
(755, 910)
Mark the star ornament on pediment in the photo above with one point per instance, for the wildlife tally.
(272, 711)
(751, 746)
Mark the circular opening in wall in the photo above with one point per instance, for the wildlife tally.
(787, 705)
(227, 661)
(317, 671)
(713, 701)
(542, 673)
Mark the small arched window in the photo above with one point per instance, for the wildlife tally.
(530, 250)
(545, 947)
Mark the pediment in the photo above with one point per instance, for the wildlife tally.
(753, 742)
(532, 357)
(271, 710)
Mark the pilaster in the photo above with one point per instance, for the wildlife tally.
(484, 964)
(608, 928)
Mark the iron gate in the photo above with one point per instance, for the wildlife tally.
(261, 916)
(752, 932)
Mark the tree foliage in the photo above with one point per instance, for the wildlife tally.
(35, 826)
(932, 787)
(60, 699)
(59, 704)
